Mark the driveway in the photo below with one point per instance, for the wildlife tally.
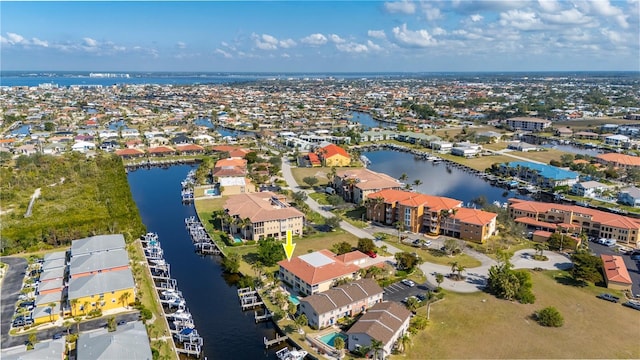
(11, 285)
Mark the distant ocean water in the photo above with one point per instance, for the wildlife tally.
(68, 78)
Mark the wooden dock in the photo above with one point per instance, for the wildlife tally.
(266, 316)
(277, 340)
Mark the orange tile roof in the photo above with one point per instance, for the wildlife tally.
(161, 149)
(333, 150)
(474, 216)
(615, 269)
(369, 180)
(237, 162)
(258, 207)
(189, 147)
(621, 159)
(316, 275)
(414, 199)
(352, 256)
(129, 152)
(598, 216)
(313, 158)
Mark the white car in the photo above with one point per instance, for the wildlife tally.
(427, 243)
(409, 283)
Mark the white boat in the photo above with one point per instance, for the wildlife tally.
(286, 354)
(181, 315)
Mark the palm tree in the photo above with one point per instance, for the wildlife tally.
(85, 306)
(540, 248)
(439, 279)
(258, 268)
(126, 296)
(400, 227)
(460, 269)
(51, 306)
(280, 299)
(417, 182)
(376, 346)
(376, 203)
(403, 341)
(403, 177)
(454, 267)
(338, 344)
(74, 304)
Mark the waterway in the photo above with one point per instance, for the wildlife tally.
(574, 149)
(437, 179)
(367, 121)
(228, 332)
(221, 130)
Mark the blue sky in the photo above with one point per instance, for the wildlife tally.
(321, 36)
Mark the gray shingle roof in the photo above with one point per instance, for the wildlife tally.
(129, 342)
(381, 321)
(342, 295)
(97, 243)
(100, 283)
(46, 350)
(98, 261)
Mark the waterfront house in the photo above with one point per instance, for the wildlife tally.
(334, 155)
(43, 350)
(588, 189)
(230, 167)
(129, 341)
(616, 275)
(527, 124)
(378, 135)
(616, 140)
(542, 175)
(325, 308)
(586, 135)
(443, 147)
(102, 290)
(318, 271)
(98, 262)
(232, 185)
(596, 223)
(189, 149)
(355, 185)
(268, 214)
(130, 153)
(97, 243)
(564, 132)
(629, 196)
(522, 146)
(415, 211)
(618, 160)
(160, 151)
(385, 322)
(466, 149)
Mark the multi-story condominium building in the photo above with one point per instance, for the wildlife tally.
(257, 216)
(385, 322)
(527, 124)
(318, 271)
(429, 214)
(542, 175)
(601, 224)
(354, 185)
(618, 160)
(588, 188)
(325, 308)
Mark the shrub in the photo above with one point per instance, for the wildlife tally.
(549, 316)
(145, 314)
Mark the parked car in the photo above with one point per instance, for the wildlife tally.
(416, 242)
(122, 322)
(421, 297)
(57, 336)
(427, 243)
(632, 304)
(408, 282)
(609, 297)
(371, 254)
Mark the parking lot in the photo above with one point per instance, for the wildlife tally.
(632, 265)
(398, 291)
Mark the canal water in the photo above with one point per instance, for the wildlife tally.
(228, 332)
(367, 121)
(437, 179)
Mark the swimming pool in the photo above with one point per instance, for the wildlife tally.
(237, 240)
(211, 192)
(330, 338)
(294, 299)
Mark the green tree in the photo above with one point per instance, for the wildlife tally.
(439, 279)
(292, 309)
(302, 321)
(51, 309)
(335, 200)
(403, 177)
(310, 180)
(299, 196)
(403, 341)
(49, 126)
(377, 346)
(540, 248)
(549, 316)
(366, 245)
(333, 222)
(413, 304)
(586, 267)
(231, 263)
(270, 251)
(251, 157)
(407, 261)
(338, 344)
(111, 324)
(33, 339)
(342, 248)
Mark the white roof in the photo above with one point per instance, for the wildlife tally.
(316, 259)
(231, 181)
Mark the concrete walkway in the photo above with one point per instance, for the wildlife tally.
(475, 278)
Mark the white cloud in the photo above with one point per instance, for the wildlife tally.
(439, 31)
(549, 6)
(336, 39)
(90, 42)
(571, 17)
(378, 34)
(314, 39)
(223, 53)
(373, 46)
(265, 41)
(181, 45)
(287, 43)
(522, 20)
(476, 17)
(15, 38)
(430, 12)
(418, 38)
(403, 7)
(352, 47)
(613, 36)
(285, 55)
(604, 8)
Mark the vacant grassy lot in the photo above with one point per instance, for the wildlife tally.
(435, 256)
(480, 326)
(210, 204)
(481, 163)
(318, 172)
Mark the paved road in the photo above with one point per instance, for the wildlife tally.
(11, 285)
(475, 278)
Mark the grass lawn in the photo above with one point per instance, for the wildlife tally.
(481, 326)
(435, 256)
(480, 163)
(210, 205)
(318, 172)
(320, 198)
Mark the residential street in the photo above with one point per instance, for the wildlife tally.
(476, 278)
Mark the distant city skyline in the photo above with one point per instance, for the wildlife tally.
(321, 36)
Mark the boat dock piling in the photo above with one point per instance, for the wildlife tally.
(249, 298)
(278, 339)
(202, 242)
(266, 316)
